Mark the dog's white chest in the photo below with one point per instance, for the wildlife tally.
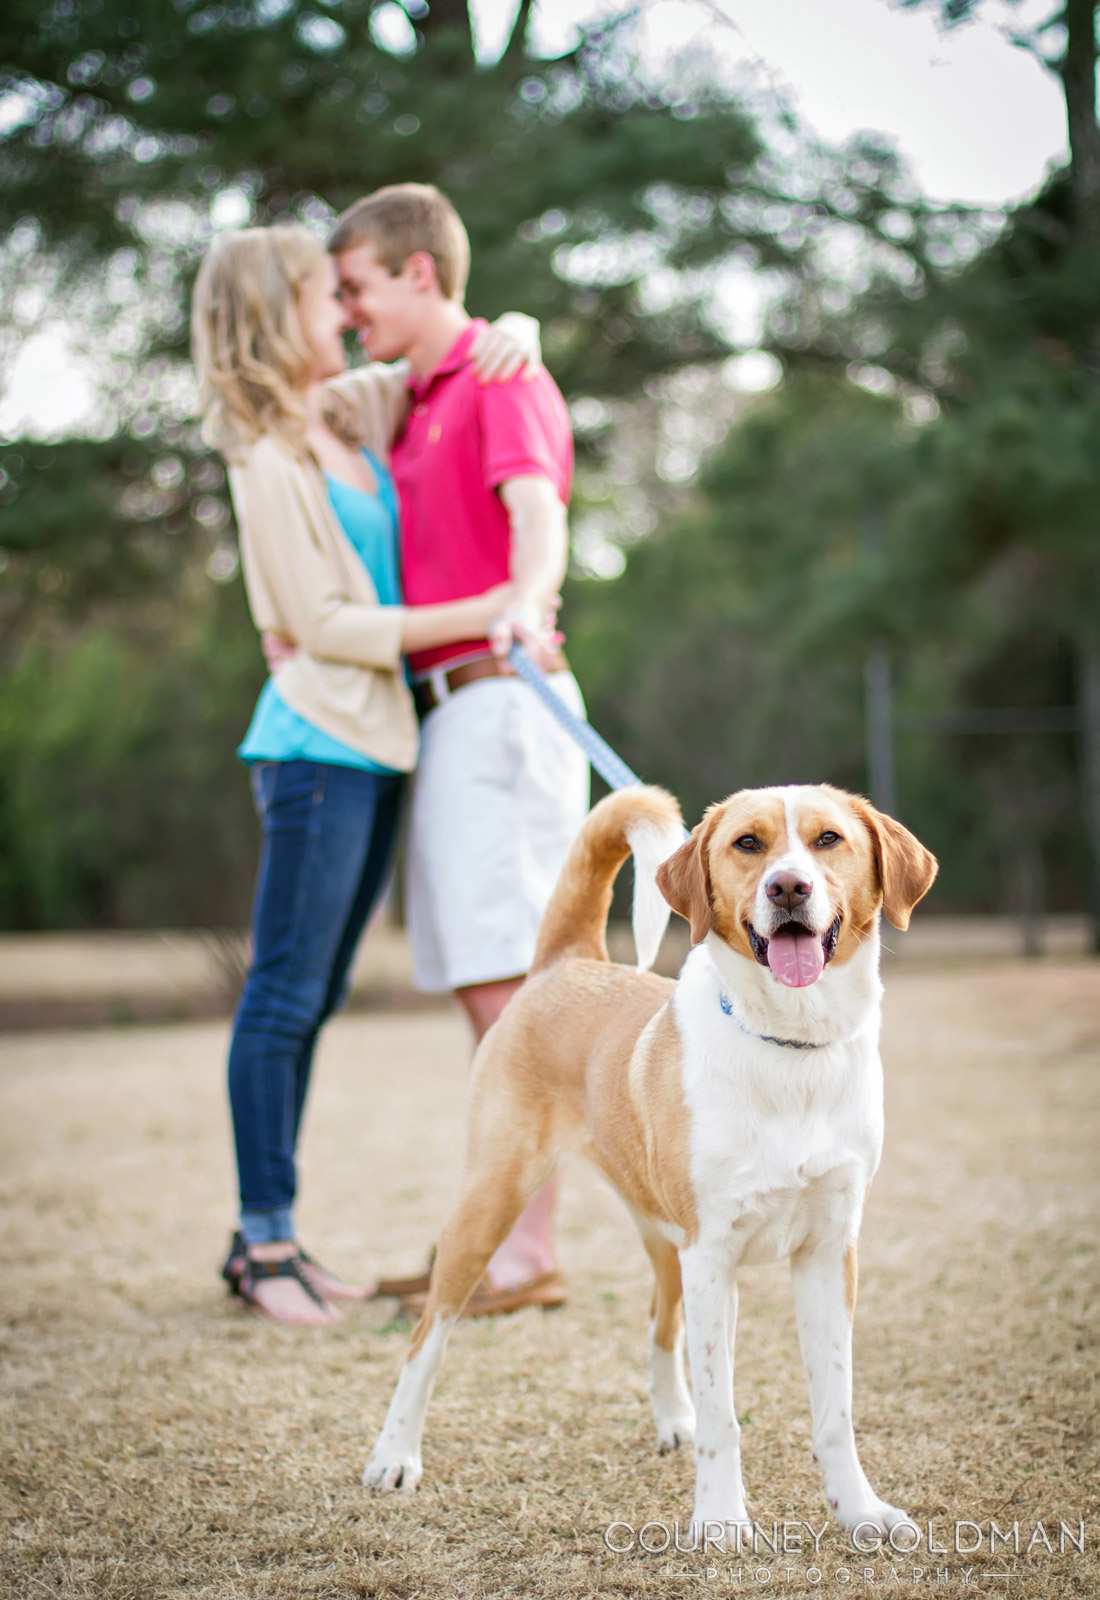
(783, 1142)
(770, 1185)
(771, 1224)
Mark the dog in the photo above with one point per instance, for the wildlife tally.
(738, 1110)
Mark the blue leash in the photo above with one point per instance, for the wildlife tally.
(611, 768)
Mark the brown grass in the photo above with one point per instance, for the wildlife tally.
(157, 1442)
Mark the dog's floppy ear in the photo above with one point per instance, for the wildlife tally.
(684, 880)
(906, 870)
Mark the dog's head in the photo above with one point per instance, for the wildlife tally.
(794, 878)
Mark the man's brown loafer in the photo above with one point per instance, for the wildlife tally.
(400, 1288)
(547, 1291)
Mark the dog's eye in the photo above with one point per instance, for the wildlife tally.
(747, 841)
(828, 838)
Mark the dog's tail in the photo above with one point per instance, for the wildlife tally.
(644, 820)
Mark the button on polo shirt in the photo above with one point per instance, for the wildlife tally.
(463, 440)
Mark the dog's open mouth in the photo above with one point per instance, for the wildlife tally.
(794, 953)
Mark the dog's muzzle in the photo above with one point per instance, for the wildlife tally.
(794, 953)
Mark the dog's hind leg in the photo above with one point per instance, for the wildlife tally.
(395, 1460)
(673, 1412)
(503, 1170)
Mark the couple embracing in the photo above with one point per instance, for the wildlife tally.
(400, 524)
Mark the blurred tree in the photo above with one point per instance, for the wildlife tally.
(89, 525)
(732, 649)
(1044, 290)
(141, 122)
(758, 607)
(954, 399)
(131, 130)
(605, 204)
(121, 799)
(1065, 42)
(973, 448)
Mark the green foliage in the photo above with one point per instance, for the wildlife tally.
(949, 516)
(716, 658)
(121, 801)
(732, 650)
(88, 525)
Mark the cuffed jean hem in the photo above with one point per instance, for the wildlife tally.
(267, 1227)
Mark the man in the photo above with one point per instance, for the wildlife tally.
(483, 475)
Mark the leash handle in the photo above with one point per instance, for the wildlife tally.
(611, 768)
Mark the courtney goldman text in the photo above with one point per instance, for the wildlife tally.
(963, 1538)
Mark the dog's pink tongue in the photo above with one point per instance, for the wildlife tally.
(796, 957)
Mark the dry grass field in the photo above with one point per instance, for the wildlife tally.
(158, 1442)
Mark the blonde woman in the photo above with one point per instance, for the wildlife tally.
(334, 729)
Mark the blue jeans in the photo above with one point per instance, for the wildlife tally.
(328, 836)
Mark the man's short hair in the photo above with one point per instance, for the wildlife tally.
(403, 219)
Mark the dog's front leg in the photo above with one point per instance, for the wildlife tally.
(710, 1311)
(824, 1275)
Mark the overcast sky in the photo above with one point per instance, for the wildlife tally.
(978, 119)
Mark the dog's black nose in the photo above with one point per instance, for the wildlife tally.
(788, 890)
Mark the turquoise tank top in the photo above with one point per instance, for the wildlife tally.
(276, 733)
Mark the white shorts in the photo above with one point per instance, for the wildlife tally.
(500, 792)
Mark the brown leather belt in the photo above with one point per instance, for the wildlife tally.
(423, 690)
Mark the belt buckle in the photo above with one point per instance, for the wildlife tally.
(437, 682)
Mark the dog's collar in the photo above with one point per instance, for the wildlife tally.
(788, 1044)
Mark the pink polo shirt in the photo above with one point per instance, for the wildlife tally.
(461, 442)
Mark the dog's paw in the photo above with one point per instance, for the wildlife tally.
(870, 1515)
(727, 1535)
(390, 1469)
(673, 1433)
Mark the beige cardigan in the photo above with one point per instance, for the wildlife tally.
(305, 579)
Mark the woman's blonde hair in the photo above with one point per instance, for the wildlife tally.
(246, 340)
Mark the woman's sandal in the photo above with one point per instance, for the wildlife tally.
(339, 1289)
(285, 1267)
(235, 1264)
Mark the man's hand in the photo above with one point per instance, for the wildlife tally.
(509, 345)
(538, 634)
(278, 649)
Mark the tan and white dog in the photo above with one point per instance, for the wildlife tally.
(738, 1110)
